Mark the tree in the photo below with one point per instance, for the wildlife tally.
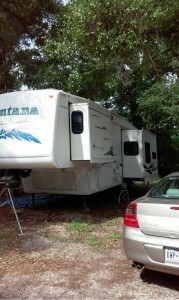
(21, 24)
(115, 46)
(159, 109)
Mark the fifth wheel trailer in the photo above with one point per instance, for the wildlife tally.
(71, 145)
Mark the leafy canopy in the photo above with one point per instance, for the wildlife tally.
(22, 24)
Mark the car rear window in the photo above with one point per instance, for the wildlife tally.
(166, 188)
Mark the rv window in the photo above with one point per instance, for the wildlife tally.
(147, 153)
(154, 155)
(77, 122)
(131, 148)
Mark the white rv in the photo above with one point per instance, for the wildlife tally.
(71, 145)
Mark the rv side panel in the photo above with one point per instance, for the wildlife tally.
(27, 122)
(100, 135)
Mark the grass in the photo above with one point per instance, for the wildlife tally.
(93, 241)
(37, 255)
(59, 238)
(140, 189)
(4, 235)
(75, 237)
(40, 255)
(112, 222)
(142, 186)
(84, 230)
(79, 226)
(80, 231)
(114, 236)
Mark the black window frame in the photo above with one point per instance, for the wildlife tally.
(77, 125)
(131, 148)
(147, 153)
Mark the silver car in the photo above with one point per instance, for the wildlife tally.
(151, 228)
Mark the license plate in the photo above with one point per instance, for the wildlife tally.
(172, 255)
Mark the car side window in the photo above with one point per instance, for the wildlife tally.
(167, 188)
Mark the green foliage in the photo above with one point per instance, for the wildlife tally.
(113, 51)
(93, 241)
(22, 24)
(114, 236)
(79, 226)
(159, 108)
(168, 155)
(112, 222)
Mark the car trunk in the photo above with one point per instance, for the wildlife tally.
(159, 217)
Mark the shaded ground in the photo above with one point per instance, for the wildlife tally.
(67, 252)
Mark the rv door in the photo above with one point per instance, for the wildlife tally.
(79, 131)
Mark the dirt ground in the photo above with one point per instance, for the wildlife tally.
(68, 252)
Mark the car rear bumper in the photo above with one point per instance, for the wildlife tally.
(149, 250)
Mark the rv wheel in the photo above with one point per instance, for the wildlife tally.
(123, 197)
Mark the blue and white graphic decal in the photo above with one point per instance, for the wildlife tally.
(110, 152)
(18, 135)
(151, 168)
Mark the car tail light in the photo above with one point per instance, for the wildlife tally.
(174, 207)
(130, 216)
